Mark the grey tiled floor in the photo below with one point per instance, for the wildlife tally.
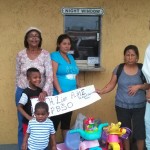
(8, 147)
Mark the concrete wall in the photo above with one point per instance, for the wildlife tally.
(124, 22)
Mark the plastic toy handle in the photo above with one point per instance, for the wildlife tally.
(127, 134)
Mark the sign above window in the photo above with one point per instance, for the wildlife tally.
(82, 11)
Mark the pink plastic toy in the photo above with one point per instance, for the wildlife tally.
(113, 134)
(62, 146)
(113, 141)
(87, 144)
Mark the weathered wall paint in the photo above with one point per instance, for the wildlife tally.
(124, 22)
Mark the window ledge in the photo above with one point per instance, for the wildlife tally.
(90, 68)
(83, 66)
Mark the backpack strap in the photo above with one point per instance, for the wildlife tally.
(140, 65)
(119, 70)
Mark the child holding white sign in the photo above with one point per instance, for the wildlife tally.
(33, 91)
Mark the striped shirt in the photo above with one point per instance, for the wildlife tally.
(39, 134)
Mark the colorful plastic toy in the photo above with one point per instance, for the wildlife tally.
(91, 134)
(90, 124)
(89, 144)
(72, 141)
(112, 135)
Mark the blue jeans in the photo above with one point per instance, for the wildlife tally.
(20, 117)
(147, 125)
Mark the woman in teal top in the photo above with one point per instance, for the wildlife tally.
(65, 76)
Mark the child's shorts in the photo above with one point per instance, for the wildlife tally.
(24, 126)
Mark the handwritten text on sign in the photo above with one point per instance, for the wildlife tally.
(70, 101)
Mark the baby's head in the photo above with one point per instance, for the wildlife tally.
(41, 111)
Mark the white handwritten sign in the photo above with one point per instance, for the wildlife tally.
(70, 101)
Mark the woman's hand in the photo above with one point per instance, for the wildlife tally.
(98, 91)
(133, 89)
(60, 92)
(42, 95)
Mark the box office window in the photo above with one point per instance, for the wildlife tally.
(85, 31)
